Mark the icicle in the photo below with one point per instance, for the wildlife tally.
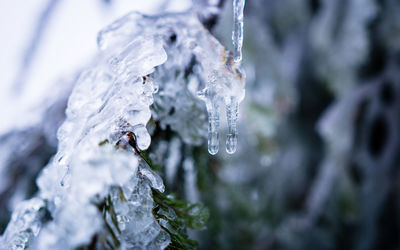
(232, 110)
(225, 82)
(212, 103)
(213, 126)
(237, 32)
(232, 105)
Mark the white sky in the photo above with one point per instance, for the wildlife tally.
(68, 44)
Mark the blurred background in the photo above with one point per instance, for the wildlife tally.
(317, 165)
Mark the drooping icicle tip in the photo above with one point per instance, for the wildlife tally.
(226, 85)
(232, 104)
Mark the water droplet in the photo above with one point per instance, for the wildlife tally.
(143, 138)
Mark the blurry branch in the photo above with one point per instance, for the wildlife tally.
(209, 11)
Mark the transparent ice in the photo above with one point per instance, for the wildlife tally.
(26, 220)
(166, 60)
(109, 101)
(237, 31)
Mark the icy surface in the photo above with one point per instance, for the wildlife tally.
(210, 71)
(26, 220)
(105, 126)
(120, 95)
(109, 102)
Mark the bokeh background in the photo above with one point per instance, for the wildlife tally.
(317, 165)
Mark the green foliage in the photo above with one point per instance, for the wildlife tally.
(179, 215)
(175, 216)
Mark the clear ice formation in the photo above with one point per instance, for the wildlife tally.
(109, 101)
(211, 73)
(214, 95)
(26, 220)
(108, 108)
(237, 31)
(232, 105)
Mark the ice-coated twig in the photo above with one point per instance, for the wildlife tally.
(212, 104)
